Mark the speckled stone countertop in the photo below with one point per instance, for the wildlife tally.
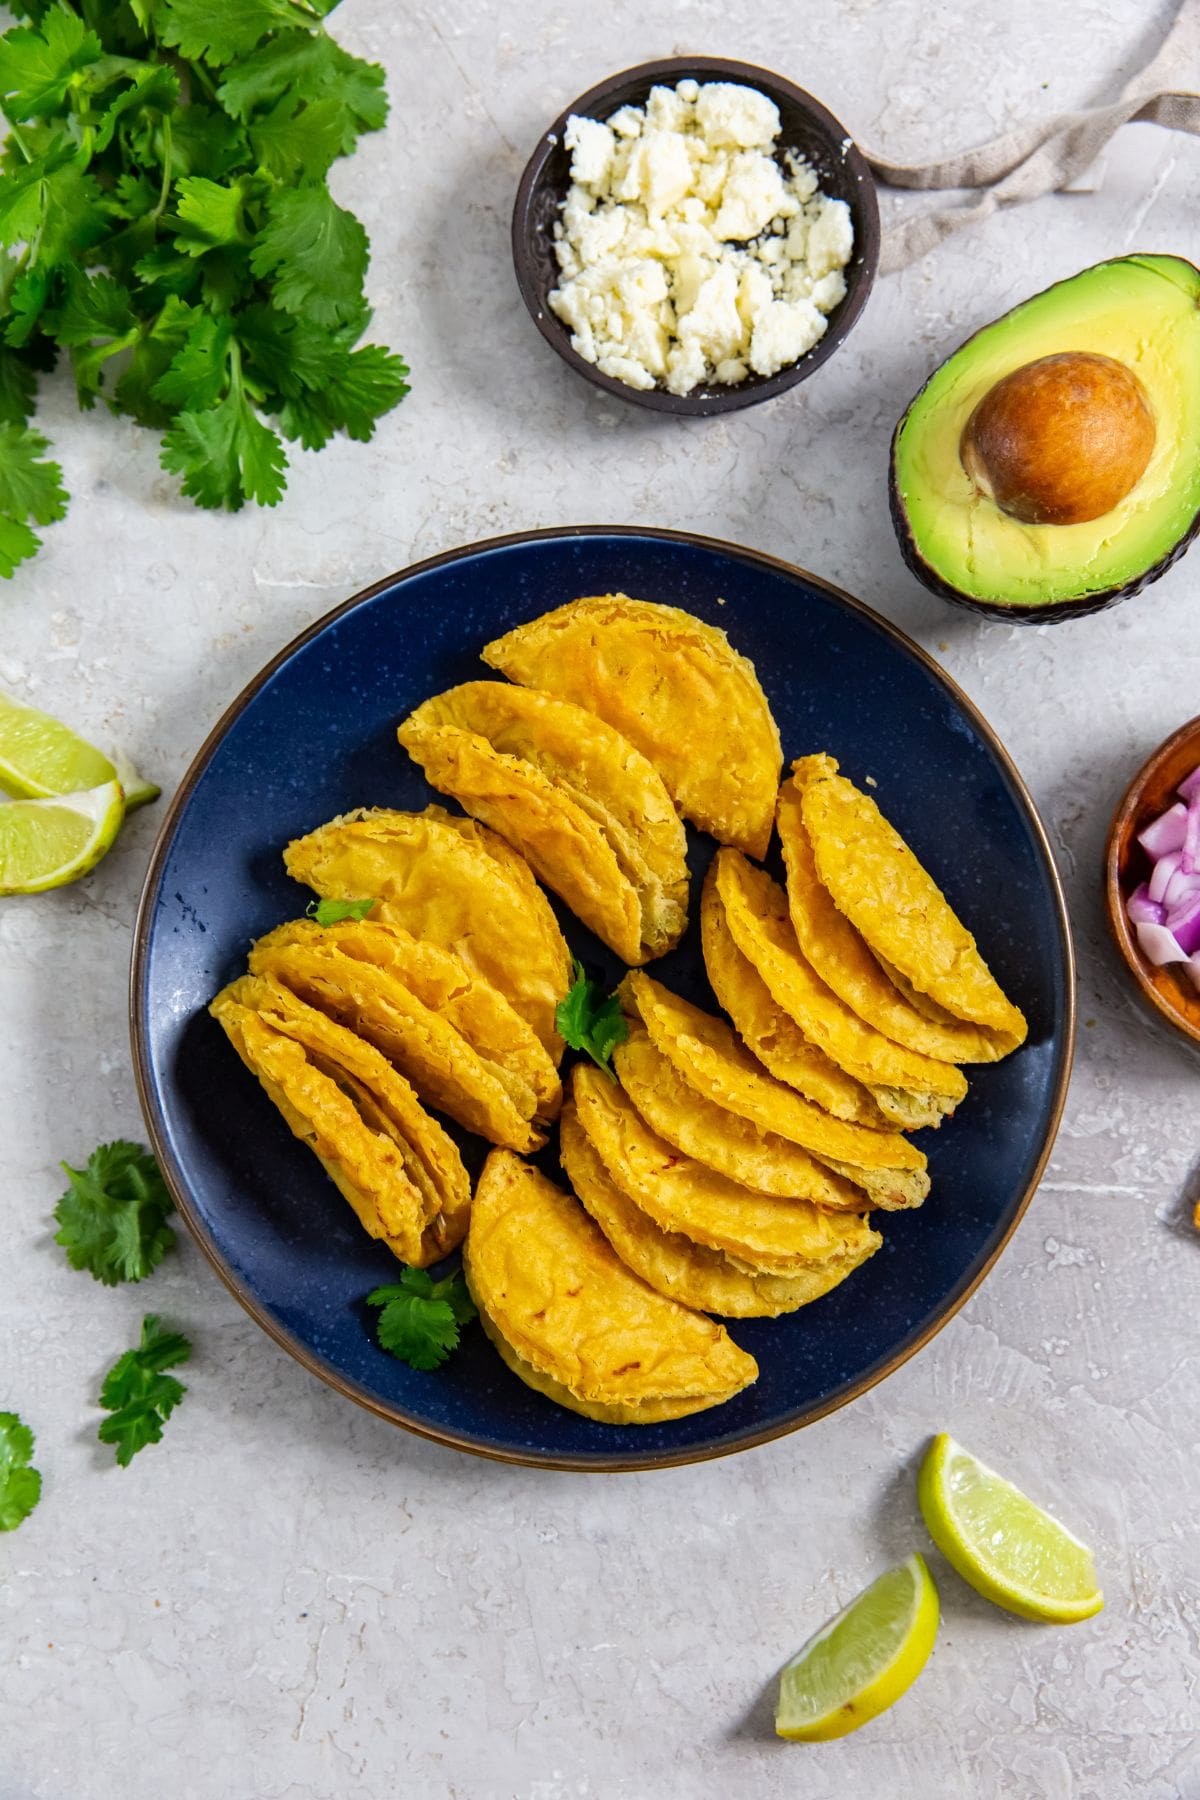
(290, 1600)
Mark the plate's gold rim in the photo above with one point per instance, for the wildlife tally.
(617, 1464)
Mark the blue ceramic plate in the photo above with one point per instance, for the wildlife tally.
(315, 735)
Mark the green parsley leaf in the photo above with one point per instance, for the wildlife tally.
(298, 142)
(137, 1393)
(113, 1217)
(38, 64)
(20, 1486)
(590, 1020)
(313, 252)
(222, 31)
(30, 489)
(332, 912)
(421, 1317)
(210, 213)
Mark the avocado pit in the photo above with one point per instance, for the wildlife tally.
(1060, 440)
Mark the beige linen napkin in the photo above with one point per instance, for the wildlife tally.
(1043, 157)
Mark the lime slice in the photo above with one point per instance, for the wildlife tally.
(1008, 1549)
(40, 757)
(862, 1661)
(46, 843)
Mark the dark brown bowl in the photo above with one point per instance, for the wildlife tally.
(810, 130)
(1167, 991)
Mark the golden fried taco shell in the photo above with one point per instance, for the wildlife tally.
(611, 781)
(370, 998)
(711, 1059)
(876, 881)
(571, 1320)
(562, 844)
(448, 881)
(394, 1164)
(774, 1236)
(724, 1140)
(771, 1034)
(842, 959)
(676, 689)
(675, 1265)
(756, 913)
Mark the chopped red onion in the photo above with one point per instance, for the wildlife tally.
(1183, 922)
(1166, 833)
(1158, 945)
(1142, 909)
(1165, 910)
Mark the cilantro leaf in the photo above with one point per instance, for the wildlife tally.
(332, 912)
(313, 252)
(137, 1393)
(30, 489)
(589, 1020)
(18, 385)
(198, 371)
(20, 1486)
(113, 1217)
(366, 384)
(308, 68)
(226, 454)
(210, 213)
(39, 63)
(420, 1320)
(220, 33)
(298, 142)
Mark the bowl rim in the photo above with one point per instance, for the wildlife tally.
(139, 1036)
(702, 403)
(1118, 920)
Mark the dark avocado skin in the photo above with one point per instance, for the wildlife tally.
(1054, 612)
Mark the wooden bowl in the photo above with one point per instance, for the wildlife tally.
(1168, 991)
(807, 127)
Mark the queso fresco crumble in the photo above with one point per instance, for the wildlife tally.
(688, 255)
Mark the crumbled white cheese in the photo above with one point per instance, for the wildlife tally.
(688, 253)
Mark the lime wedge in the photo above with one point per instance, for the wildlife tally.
(46, 843)
(862, 1661)
(1008, 1549)
(40, 757)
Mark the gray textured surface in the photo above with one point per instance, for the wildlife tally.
(291, 1599)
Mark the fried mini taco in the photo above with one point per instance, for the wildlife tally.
(724, 1140)
(450, 882)
(683, 1270)
(574, 1322)
(584, 861)
(711, 1059)
(373, 998)
(875, 880)
(844, 962)
(909, 1089)
(676, 689)
(772, 1236)
(394, 1163)
(610, 780)
(770, 1033)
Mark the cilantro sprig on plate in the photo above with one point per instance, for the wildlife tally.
(421, 1317)
(588, 1019)
(113, 1217)
(165, 221)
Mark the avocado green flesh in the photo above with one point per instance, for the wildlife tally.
(1145, 312)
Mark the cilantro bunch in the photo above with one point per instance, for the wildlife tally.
(165, 221)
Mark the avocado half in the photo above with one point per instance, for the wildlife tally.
(1142, 311)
